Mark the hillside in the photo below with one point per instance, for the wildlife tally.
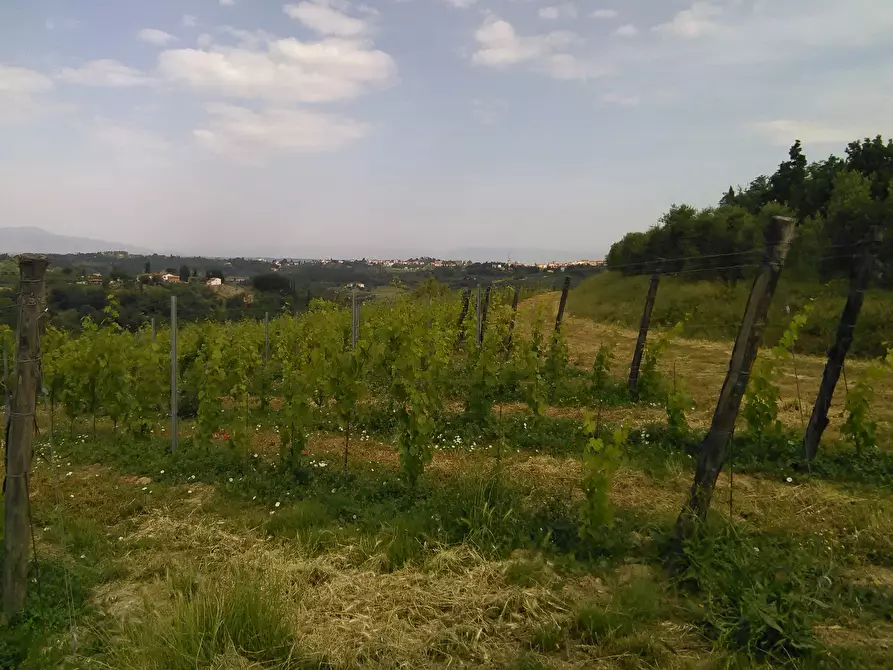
(28, 239)
(712, 309)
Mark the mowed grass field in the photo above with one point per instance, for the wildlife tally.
(212, 560)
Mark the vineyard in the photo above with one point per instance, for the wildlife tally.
(453, 481)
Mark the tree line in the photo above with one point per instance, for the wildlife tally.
(836, 200)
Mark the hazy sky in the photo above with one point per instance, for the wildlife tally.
(328, 127)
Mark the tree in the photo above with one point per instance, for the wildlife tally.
(271, 282)
(729, 198)
(184, 273)
(148, 267)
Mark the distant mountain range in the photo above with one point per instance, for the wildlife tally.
(28, 239)
(37, 240)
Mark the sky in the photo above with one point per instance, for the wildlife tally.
(337, 128)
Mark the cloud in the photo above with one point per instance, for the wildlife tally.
(629, 30)
(488, 110)
(104, 72)
(320, 16)
(697, 20)
(566, 11)
(21, 90)
(227, 3)
(621, 99)
(189, 21)
(500, 46)
(461, 4)
(604, 14)
(283, 70)
(783, 132)
(157, 37)
(251, 136)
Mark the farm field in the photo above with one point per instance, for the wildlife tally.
(235, 551)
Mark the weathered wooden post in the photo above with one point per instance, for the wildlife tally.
(643, 335)
(712, 453)
(479, 332)
(508, 337)
(484, 309)
(153, 328)
(174, 373)
(19, 448)
(562, 303)
(859, 279)
(266, 338)
(466, 299)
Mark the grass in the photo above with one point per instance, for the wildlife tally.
(713, 309)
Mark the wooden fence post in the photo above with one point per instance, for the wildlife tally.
(266, 338)
(859, 279)
(484, 311)
(712, 453)
(562, 303)
(19, 448)
(478, 332)
(153, 328)
(508, 337)
(174, 391)
(466, 298)
(643, 335)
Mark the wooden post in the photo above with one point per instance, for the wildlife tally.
(353, 320)
(643, 335)
(562, 303)
(508, 338)
(19, 448)
(484, 309)
(859, 279)
(479, 332)
(153, 328)
(712, 454)
(466, 298)
(173, 373)
(266, 338)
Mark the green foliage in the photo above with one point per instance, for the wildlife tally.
(651, 384)
(600, 459)
(601, 369)
(761, 396)
(859, 428)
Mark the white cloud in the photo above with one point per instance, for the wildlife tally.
(189, 21)
(783, 132)
(621, 99)
(629, 30)
(322, 17)
(285, 70)
(500, 46)
(104, 72)
(251, 136)
(155, 36)
(604, 14)
(488, 110)
(461, 4)
(554, 12)
(697, 20)
(20, 92)
(204, 40)
(227, 3)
